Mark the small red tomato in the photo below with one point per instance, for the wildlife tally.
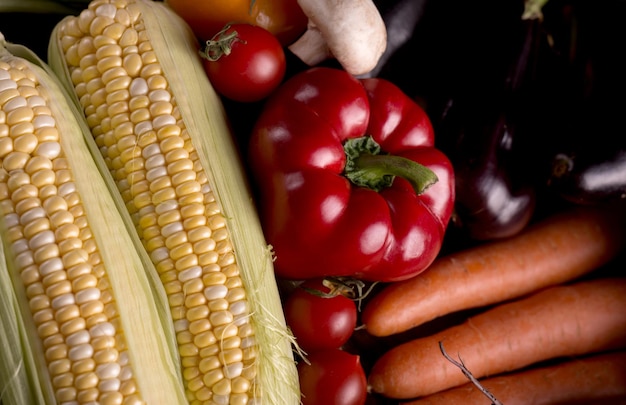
(244, 62)
(332, 377)
(318, 317)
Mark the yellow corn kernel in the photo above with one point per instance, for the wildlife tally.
(56, 212)
(167, 144)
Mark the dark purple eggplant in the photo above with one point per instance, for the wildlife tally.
(481, 131)
(590, 178)
(589, 159)
(490, 202)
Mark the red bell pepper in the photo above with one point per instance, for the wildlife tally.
(349, 180)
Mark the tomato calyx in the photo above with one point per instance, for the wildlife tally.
(367, 166)
(221, 44)
(336, 286)
(348, 287)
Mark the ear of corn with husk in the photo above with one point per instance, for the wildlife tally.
(83, 316)
(134, 70)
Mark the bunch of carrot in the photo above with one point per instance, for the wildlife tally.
(546, 330)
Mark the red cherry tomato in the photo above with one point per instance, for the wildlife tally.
(244, 62)
(318, 318)
(332, 377)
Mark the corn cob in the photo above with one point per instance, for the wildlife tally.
(135, 71)
(81, 321)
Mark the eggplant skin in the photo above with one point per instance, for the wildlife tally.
(589, 178)
(494, 199)
(488, 208)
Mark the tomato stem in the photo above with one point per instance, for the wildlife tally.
(366, 166)
(221, 44)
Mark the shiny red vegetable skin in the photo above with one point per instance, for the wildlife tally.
(332, 377)
(320, 318)
(317, 220)
(244, 62)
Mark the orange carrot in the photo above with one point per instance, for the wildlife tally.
(559, 249)
(560, 321)
(598, 378)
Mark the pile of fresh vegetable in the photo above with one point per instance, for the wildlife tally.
(441, 184)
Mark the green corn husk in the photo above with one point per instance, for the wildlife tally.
(139, 296)
(205, 119)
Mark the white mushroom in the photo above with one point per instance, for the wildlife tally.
(351, 31)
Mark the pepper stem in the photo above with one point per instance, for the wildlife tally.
(366, 166)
